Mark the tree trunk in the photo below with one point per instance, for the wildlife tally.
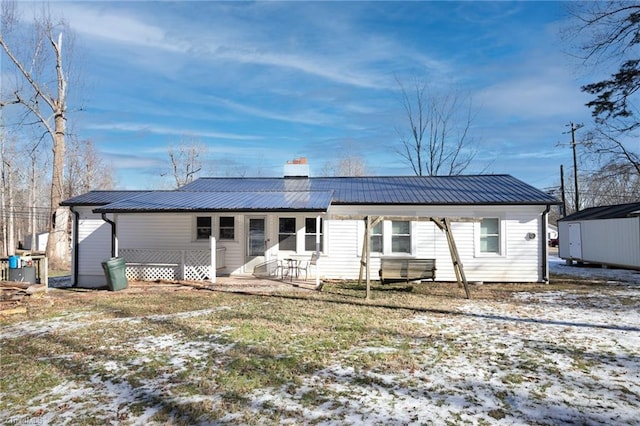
(33, 227)
(11, 243)
(44, 105)
(3, 200)
(58, 249)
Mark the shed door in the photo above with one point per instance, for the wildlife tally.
(575, 241)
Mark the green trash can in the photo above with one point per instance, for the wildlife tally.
(115, 272)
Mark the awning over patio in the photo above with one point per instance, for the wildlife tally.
(184, 201)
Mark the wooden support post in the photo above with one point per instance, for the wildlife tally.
(214, 259)
(457, 263)
(318, 224)
(368, 266)
(365, 258)
(362, 264)
(445, 226)
(44, 271)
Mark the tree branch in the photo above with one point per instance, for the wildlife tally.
(36, 87)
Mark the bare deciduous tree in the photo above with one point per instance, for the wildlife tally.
(607, 35)
(613, 183)
(86, 170)
(439, 142)
(7, 201)
(42, 91)
(350, 165)
(186, 160)
(609, 148)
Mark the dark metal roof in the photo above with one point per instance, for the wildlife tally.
(100, 198)
(616, 211)
(181, 201)
(316, 194)
(435, 190)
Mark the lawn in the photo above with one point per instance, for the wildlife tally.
(568, 352)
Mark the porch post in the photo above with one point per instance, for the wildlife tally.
(368, 256)
(318, 221)
(214, 260)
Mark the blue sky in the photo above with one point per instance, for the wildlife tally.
(262, 83)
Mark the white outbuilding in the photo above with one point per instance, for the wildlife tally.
(605, 235)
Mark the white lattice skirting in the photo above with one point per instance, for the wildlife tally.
(152, 271)
(153, 264)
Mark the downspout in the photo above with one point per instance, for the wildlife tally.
(113, 233)
(543, 242)
(76, 248)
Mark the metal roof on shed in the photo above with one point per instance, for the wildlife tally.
(616, 211)
(180, 201)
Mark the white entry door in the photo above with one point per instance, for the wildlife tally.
(256, 242)
(575, 241)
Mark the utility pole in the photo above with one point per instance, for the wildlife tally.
(564, 200)
(575, 127)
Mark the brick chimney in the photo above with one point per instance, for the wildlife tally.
(298, 167)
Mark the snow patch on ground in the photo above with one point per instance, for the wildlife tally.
(70, 322)
(545, 358)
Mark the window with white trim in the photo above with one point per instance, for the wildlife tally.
(287, 233)
(490, 235)
(400, 236)
(226, 228)
(203, 227)
(310, 234)
(376, 244)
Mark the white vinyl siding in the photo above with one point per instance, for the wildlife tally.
(171, 231)
(94, 247)
(607, 241)
(157, 231)
(520, 259)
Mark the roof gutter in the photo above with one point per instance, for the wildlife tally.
(76, 249)
(543, 242)
(113, 233)
(212, 210)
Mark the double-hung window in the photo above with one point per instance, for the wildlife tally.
(490, 235)
(287, 233)
(391, 238)
(377, 241)
(203, 227)
(400, 236)
(227, 228)
(310, 229)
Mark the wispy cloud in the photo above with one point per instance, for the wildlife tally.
(132, 161)
(96, 21)
(170, 130)
(326, 68)
(541, 92)
(304, 117)
(263, 82)
(353, 62)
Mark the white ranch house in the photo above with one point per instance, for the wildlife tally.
(220, 226)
